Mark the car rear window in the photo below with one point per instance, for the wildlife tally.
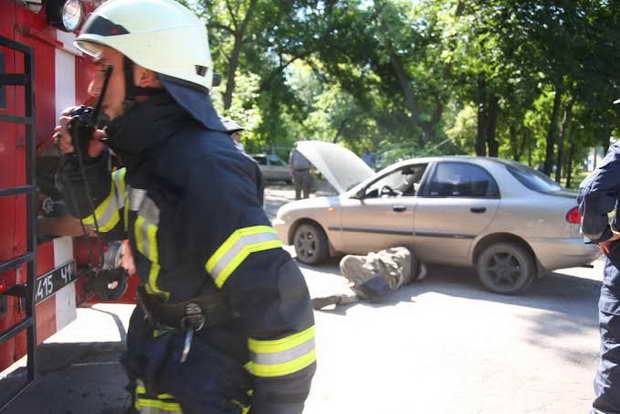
(261, 160)
(532, 179)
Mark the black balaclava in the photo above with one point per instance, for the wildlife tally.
(140, 125)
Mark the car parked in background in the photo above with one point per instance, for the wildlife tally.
(509, 221)
(273, 167)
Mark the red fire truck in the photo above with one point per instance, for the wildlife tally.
(42, 278)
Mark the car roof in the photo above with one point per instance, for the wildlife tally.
(437, 158)
(263, 155)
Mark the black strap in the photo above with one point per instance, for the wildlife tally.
(213, 305)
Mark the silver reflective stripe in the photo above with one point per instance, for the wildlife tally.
(146, 229)
(119, 187)
(136, 196)
(149, 211)
(283, 357)
(238, 247)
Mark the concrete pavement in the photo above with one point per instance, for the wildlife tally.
(440, 346)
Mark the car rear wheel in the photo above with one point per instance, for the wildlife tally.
(506, 268)
(310, 244)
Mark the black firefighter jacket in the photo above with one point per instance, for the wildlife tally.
(190, 204)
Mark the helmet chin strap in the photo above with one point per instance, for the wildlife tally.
(132, 91)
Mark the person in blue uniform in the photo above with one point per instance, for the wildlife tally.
(599, 195)
(224, 323)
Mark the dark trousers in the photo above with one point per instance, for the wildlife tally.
(303, 182)
(607, 380)
(208, 381)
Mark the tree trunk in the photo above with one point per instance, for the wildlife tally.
(233, 64)
(569, 166)
(524, 142)
(605, 138)
(552, 131)
(515, 145)
(530, 141)
(568, 118)
(492, 115)
(480, 146)
(233, 61)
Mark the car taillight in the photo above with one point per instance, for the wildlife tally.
(573, 216)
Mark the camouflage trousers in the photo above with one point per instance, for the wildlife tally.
(397, 266)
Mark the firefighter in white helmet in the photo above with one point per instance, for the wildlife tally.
(225, 323)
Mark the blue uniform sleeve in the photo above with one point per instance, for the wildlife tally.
(598, 197)
(244, 257)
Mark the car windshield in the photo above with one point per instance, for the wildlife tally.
(532, 179)
(260, 159)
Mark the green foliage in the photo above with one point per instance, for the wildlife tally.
(409, 78)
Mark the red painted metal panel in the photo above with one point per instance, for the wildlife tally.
(8, 134)
(18, 23)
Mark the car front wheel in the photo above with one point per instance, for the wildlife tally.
(310, 244)
(506, 268)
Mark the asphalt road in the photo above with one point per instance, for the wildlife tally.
(443, 345)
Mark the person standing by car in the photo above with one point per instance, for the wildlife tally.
(369, 158)
(599, 195)
(299, 168)
(224, 323)
(234, 130)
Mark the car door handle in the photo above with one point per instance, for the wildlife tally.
(478, 210)
(399, 208)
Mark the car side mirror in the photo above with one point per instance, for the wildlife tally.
(360, 194)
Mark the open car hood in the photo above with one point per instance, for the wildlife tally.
(342, 168)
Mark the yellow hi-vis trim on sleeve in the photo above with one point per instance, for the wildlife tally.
(237, 247)
(151, 285)
(281, 356)
(151, 404)
(107, 213)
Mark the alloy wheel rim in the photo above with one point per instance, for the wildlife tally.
(305, 245)
(504, 269)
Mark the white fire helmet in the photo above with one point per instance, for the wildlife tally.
(160, 35)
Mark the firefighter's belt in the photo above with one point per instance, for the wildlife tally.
(215, 310)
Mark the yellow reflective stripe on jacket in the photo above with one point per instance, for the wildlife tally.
(282, 356)
(107, 213)
(149, 404)
(145, 229)
(237, 247)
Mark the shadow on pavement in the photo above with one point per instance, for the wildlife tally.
(74, 378)
(556, 292)
(573, 300)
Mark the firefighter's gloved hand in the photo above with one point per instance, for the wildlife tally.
(63, 139)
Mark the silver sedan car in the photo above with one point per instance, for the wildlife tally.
(509, 221)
